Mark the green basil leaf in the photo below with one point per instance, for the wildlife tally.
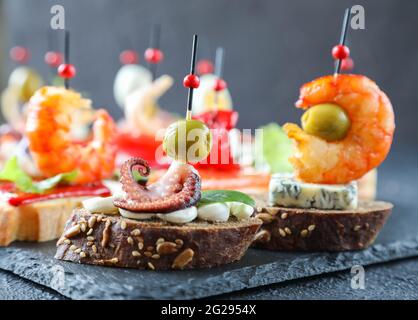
(212, 196)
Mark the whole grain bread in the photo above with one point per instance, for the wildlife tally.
(152, 244)
(294, 229)
(39, 221)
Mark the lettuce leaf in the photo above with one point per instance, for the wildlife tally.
(212, 196)
(273, 149)
(13, 172)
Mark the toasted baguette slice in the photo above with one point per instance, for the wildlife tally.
(152, 244)
(321, 230)
(39, 221)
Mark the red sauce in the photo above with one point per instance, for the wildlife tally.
(16, 198)
(142, 146)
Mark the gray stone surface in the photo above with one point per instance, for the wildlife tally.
(391, 281)
(258, 268)
(13, 287)
(394, 280)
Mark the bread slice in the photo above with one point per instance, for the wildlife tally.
(39, 221)
(320, 230)
(120, 242)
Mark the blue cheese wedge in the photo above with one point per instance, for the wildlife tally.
(286, 191)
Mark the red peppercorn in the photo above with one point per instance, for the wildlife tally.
(19, 54)
(220, 85)
(340, 52)
(128, 57)
(204, 67)
(347, 64)
(66, 71)
(153, 55)
(53, 58)
(191, 81)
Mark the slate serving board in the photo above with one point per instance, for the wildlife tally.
(398, 239)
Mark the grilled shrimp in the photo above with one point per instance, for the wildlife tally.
(51, 113)
(368, 138)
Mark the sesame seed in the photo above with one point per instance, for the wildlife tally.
(83, 227)
(151, 266)
(272, 210)
(148, 254)
(67, 241)
(287, 230)
(130, 240)
(90, 238)
(140, 245)
(90, 231)
(282, 232)
(73, 247)
(92, 221)
(83, 254)
(150, 248)
(123, 225)
(155, 256)
(263, 236)
(311, 227)
(304, 233)
(60, 241)
(357, 228)
(73, 231)
(94, 248)
(135, 232)
(284, 215)
(77, 250)
(89, 243)
(136, 254)
(160, 240)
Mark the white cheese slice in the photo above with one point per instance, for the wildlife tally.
(180, 216)
(285, 191)
(100, 205)
(214, 212)
(240, 210)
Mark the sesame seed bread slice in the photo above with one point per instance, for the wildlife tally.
(39, 221)
(295, 229)
(152, 244)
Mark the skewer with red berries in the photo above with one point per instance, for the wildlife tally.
(178, 143)
(340, 52)
(66, 70)
(153, 55)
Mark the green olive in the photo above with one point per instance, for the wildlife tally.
(327, 121)
(187, 141)
(27, 80)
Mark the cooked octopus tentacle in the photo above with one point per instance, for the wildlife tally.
(178, 189)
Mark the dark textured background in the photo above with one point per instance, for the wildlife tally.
(272, 47)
